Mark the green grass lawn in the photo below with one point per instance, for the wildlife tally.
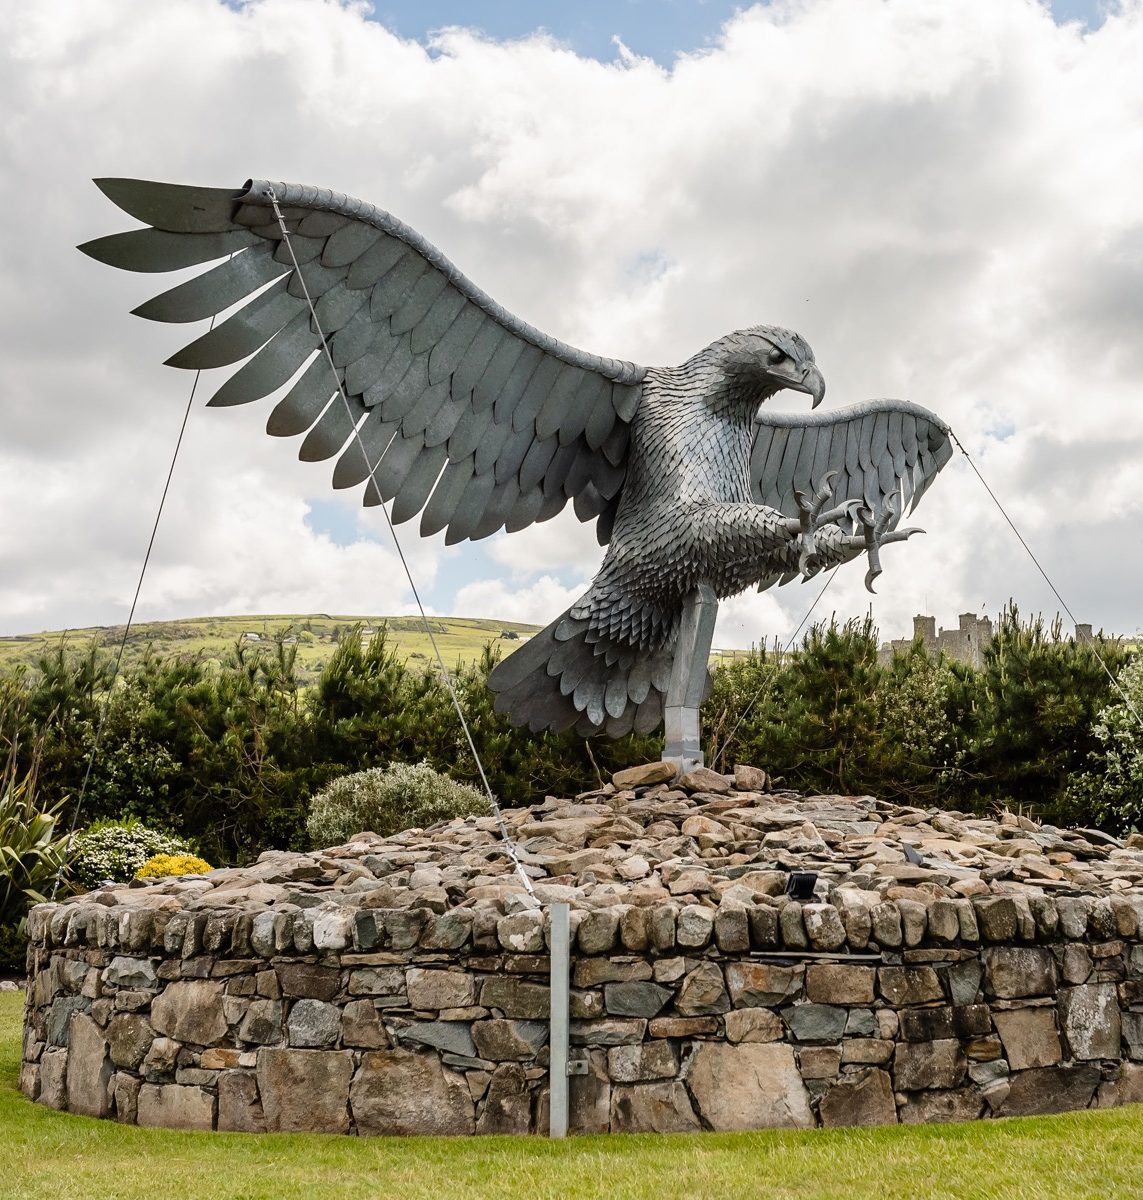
(45, 1155)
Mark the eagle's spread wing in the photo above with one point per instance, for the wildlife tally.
(463, 412)
(884, 452)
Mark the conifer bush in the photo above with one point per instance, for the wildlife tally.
(388, 799)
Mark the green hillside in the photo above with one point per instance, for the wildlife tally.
(460, 639)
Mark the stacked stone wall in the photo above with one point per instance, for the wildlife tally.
(685, 1016)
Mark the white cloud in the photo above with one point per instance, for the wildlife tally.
(942, 198)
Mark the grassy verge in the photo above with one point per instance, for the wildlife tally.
(54, 1155)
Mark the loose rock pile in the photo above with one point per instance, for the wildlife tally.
(946, 966)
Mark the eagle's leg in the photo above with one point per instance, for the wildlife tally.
(681, 744)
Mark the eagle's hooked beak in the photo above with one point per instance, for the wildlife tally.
(806, 379)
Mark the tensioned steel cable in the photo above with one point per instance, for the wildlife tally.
(446, 674)
(127, 628)
(771, 673)
(1055, 591)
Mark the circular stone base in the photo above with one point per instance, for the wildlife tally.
(941, 967)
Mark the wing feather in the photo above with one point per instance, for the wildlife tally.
(880, 449)
(474, 418)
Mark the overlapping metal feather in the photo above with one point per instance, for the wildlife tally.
(464, 413)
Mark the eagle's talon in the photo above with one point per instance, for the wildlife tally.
(875, 533)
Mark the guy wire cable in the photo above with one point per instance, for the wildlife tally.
(1063, 603)
(127, 628)
(770, 674)
(501, 824)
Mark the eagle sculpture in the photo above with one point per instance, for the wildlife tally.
(441, 402)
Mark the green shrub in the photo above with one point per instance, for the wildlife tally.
(13, 949)
(1110, 793)
(117, 849)
(32, 855)
(385, 800)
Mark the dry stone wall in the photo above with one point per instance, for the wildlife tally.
(400, 986)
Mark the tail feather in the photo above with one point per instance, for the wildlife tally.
(571, 675)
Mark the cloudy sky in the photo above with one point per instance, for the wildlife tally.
(943, 198)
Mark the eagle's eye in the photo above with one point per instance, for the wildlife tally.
(775, 356)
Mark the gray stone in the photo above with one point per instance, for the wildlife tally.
(639, 1063)
(1089, 1015)
(361, 1026)
(695, 927)
(439, 989)
(125, 1097)
(963, 1104)
(129, 1037)
(377, 981)
(591, 972)
(522, 932)
(641, 999)
(160, 1059)
(313, 1024)
(652, 1108)
(53, 1079)
(731, 927)
(174, 1106)
(262, 1022)
(589, 1097)
(1012, 972)
(909, 985)
(400, 1093)
(1076, 964)
(761, 985)
(613, 1031)
(753, 1025)
(447, 931)
(239, 1107)
(792, 927)
(516, 997)
(914, 921)
(308, 981)
(885, 921)
(131, 973)
(59, 1017)
(1029, 1037)
(509, 1041)
(918, 1066)
(861, 1022)
(824, 927)
(508, 1102)
(866, 1051)
(89, 1068)
(190, 1011)
(598, 931)
(454, 1036)
(1073, 913)
(963, 980)
(998, 919)
(1132, 1031)
(763, 926)
(819, 1062)
(815, 1022)
(644, 776)
(305, 1091)
(1050, 1090)
(839, 983)
(749, 1086)
(703, 992)
(862, 1099)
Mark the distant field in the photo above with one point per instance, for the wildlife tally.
(461, 639)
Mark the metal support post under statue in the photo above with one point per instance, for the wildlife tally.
(681, 744)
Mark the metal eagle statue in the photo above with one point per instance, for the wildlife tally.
(442, 402)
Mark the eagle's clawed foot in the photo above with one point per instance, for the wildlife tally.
(813, 515)
(875, 533)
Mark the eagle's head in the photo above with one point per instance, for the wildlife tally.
(764, 359)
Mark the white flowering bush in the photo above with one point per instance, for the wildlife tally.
(388, 799)
(117, 849)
